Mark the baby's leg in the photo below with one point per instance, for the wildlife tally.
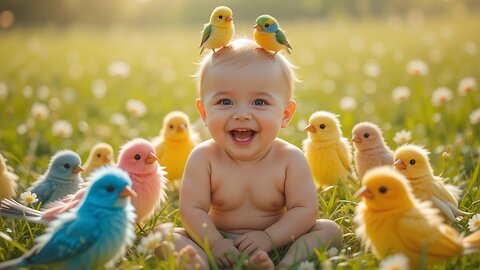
(186, 251)
(325, 233)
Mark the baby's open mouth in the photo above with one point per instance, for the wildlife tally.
(242, 135)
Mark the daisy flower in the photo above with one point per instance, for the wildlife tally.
(441, 96)
(348, 103)
(149, 243)
(306, 265)
(332, 252)
(119, 69)
(475, 117)
(417, 68)
(395, 262)
(136, 107)
(466, 86)
(118, 119)
(400, 94)
(474, 223)
(28, 197)
(402, 137)
(40, 111)
(62, 128)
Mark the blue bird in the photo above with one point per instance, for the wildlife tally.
(94, 234)
(61, 178)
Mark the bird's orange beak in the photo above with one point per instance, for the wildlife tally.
(258, 27)
(108, 159)
(77, 169)
(229, 18)
(310, 128)
(151, 158)
(127, 192)
(356, 139)
(364, 192)
(181, 128)
(399, 165)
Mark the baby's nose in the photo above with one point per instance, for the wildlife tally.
(242, 116)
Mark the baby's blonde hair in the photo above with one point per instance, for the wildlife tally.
(241, 53)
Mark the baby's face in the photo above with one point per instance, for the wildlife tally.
(244, 109)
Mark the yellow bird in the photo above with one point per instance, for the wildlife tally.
(219, 31)
(390, 221)
(8, 181)
(327, 152)
(412, 161)
(100, 155)
(175, 143)
(269, 36)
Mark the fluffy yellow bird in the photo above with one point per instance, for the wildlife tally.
(100, 155)
(8, 181)
(412, 161)
(327, 152)
(219, 31)
(175, 143)
(390, 221)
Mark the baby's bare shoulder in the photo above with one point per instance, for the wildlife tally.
(284, 148)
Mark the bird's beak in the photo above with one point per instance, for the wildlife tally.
(181, 128)
(258, 27)
(399, 165)
(229, 18)
(364, 192)
(108, 159)
(77, 169)
(127, 192)
(356, 139)
(151, 158)
(310, 128)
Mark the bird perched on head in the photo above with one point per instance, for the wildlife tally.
(219, 31)
(269, 36)
(94, 234)
(327, 152)
(176, 141)
(390, 221)
(8, 181)
(370, 148)
(100, 155)
(61, 178)
(412, 161)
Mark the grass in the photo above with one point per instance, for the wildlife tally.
(332, 58)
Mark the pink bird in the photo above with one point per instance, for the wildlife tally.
(137, 158)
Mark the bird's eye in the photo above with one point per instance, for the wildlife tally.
(66, 166)
(322, 126)
(109, 188)
(137, 157)
(171, 126)
(382, 189)
(267, 25)
(366, 135)
(412, 161)
(98, 155)
(220, 17)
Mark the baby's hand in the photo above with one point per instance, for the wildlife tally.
(253, 241)
(224, 252)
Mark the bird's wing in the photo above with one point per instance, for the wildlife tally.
(422, 228)
(44, 190)
(72, 238)
(281, 38)
(207, 30)
(445, 208)
(343, 152)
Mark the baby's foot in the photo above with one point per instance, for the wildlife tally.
(261, 261)
(188, 259)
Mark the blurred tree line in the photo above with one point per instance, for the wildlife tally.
(193, 12)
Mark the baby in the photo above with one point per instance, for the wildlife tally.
(245, 190)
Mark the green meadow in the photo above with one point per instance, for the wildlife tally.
(87, 76)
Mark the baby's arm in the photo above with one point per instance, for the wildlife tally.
(195, 203)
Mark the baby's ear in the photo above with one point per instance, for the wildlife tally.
(288, 113)
(201, 109)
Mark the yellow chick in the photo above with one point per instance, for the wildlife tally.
(327, 152)
(219, 31)
(100, 155)
(175, 143)
(412, 161)
(8, 181)
(390, 221)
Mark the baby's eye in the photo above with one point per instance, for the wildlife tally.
(259, 102)
(225, 101)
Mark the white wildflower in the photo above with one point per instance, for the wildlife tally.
(348, 103)
(136, 107)
(417, 68)
(306, 265)
(40, 111)
(402, 137)
(441, 96)
(28, 197)
(474, 223)
(149, 243)
(395, 262)
(62, 128)
(475, 117)
(119, 69)
(466, 86)
(400, 94)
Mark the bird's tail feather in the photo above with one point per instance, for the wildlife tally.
(471, 243)
(12, 264)
(13, 209)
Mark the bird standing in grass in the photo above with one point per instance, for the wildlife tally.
(269, 36)
(412, 161)
(94, 234)
(390, 221)
(100, 155)
(61, 178)
(219, 31)
(370, 148)
(176, 141)
(327, 152)
(8, 181)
